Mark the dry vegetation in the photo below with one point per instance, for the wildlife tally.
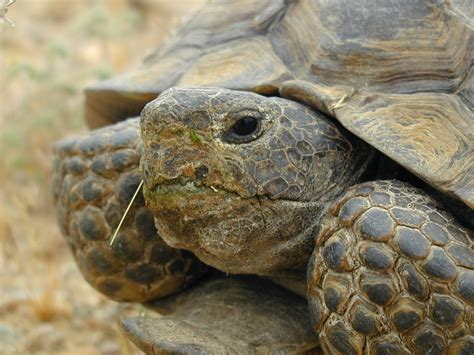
(55, 49)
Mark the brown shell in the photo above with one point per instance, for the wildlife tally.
(398, 74)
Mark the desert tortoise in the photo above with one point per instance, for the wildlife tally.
(274, 141)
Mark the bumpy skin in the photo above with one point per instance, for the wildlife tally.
(243, 203)
(95, 179)
(392, 274)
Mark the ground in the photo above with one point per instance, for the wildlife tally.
(55, 49)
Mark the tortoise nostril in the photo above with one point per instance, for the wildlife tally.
(201, 172)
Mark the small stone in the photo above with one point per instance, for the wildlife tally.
(9, 337)
(45, 338)
(109, 347)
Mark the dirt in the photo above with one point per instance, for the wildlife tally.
(55, 49)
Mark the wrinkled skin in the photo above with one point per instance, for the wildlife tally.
(243, 180)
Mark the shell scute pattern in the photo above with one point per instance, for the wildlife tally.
(410, 288)
(96, 177)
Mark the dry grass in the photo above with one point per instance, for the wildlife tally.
(55, 49)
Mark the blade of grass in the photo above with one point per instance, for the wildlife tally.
(126, 212)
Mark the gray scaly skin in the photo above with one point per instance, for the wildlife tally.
(251, 184)
(251, 204)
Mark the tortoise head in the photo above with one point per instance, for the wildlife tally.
(241, 179)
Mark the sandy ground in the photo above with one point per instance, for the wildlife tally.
(55, 49)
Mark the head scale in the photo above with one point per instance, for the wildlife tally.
(241, 179)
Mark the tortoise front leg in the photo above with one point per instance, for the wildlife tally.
(95, 178)
(392, 274)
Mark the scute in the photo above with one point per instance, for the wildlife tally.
(397, 74)
(430, 134)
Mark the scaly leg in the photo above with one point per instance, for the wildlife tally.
(95, 178)
(392, 274)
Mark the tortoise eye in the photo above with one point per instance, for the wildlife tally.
(244, 130)
(245, 126)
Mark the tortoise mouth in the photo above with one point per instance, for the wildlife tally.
(229, 232)
(183, 210)
(187, 187)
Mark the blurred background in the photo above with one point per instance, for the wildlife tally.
(55, 49)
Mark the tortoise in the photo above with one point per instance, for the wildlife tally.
(323, 148)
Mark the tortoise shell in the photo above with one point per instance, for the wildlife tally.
(396, 74)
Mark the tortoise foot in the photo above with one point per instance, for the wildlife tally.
(237, 315)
